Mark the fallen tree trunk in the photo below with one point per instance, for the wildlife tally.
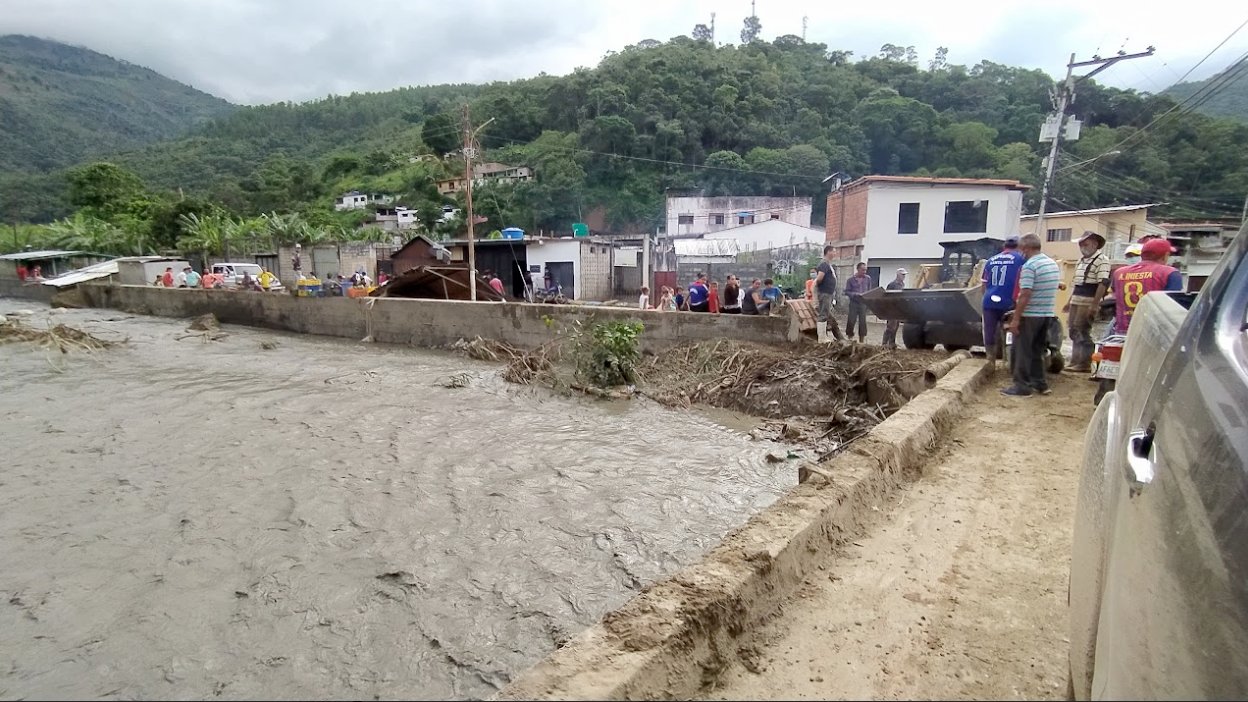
(940, 369)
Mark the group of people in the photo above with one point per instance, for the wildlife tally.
(33, 273)
(760, 297)
(1023, 281)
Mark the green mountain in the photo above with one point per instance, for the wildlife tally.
(61, 105)
(1223, 95)
(764, 118)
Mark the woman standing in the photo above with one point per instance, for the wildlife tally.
(732, 296)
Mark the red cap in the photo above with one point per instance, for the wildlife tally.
(1156, 249)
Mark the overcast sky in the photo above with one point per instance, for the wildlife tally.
(256, 51)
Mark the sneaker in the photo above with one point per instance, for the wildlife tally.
(1078, 369)
(1015, 391)
(1044, 391)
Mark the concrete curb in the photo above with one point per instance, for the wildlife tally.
(678, 634)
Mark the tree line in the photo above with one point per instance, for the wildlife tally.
(762, 118)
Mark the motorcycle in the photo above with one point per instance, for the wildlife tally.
(1106, 361)
(549, 296)
(1054, 361)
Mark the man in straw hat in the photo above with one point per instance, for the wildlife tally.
(1091, 283)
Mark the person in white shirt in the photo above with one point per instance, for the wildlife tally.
(643, 302)
(180, 278)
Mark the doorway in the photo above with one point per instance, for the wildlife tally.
(563, 273)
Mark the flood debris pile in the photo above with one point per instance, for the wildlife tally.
(820, 396)
(207, 327)
(60, 337)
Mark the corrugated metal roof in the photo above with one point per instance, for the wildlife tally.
(39, 255)
(920, 180)
(706, 247)
(100, 270)
(1098, 210)
(82, 275)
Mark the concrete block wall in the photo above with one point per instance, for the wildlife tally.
(355, 255)
(596, 271)
(430, 323)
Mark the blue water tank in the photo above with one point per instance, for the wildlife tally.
(513, 233)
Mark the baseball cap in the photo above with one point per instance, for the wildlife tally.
(1156, 248)
(1134, 250)
(903, 271)
(1011, 241)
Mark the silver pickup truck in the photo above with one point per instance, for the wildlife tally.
(1159, 565)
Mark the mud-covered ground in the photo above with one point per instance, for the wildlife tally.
(275, 516)
(958, 590)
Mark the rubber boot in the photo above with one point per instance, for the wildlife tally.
(822, 329)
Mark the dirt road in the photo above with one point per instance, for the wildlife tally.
(958, 591)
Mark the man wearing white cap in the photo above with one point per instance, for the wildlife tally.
(890, 326)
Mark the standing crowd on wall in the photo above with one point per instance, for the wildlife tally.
(761, 296)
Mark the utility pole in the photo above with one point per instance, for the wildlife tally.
(470, 152)
(1065, 97)
(712, 29)
(804, 21)
(472, 247)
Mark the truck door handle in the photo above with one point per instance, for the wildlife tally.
(1140, 450)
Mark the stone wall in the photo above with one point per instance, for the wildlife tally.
(429, 323)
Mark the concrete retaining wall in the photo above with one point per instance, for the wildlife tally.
(677, 635)
(428, 323)
(12, 287)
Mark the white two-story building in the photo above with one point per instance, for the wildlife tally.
(896, 222)
(695, 215)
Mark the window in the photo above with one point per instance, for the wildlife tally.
(744, 218)
(966, 217)
(1059, 235)
(908, 218)
(685, 219)
(717, 218)
(775, 216)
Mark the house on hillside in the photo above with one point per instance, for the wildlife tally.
(356, 200)
(1119, 225)
(1200, 245)
(696, 215)
(483, 173)
(396, 219)
(900, 221)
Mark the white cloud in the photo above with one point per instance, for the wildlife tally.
(254, 51)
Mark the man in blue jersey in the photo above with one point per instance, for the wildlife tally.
(1000, 282)
(699, 295)
(1037, 303)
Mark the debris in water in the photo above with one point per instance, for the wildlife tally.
(205, 322)
(62, 337)
(269, 345)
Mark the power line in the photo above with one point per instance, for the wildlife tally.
(1193, 101)
(1211, 53)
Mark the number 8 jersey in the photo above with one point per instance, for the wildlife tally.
(1132, 283)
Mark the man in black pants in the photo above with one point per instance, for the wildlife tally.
(1038, 281)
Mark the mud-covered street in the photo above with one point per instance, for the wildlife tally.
(958, 590)
(277, 516)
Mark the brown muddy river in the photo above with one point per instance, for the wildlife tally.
(182, 519)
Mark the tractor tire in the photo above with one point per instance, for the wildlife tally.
(914, 337)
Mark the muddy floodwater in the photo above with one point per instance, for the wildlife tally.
(324, 519)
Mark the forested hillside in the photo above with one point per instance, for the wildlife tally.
(1223, 95)
(765, 118)
(60, 105)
